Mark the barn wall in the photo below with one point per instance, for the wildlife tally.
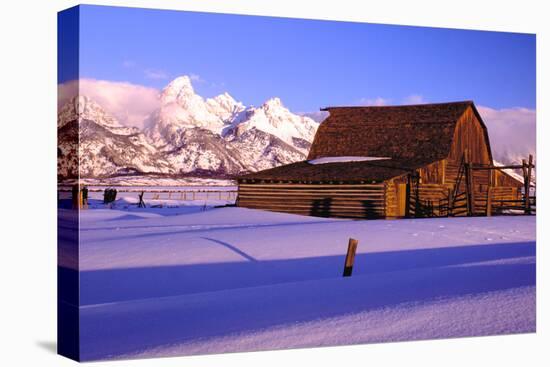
(428, 200)
(320, 200)
(469, 134)
(433, 173)
(502, 179)
(391, 198)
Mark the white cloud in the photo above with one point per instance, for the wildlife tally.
(378, 101)
(512, 132)
(196, 78)
(129, 103)
(317, 116)
(414, 99)
(155, 74)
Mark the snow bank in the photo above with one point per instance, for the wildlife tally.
(235, 279)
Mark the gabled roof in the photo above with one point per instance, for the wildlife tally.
(365, 171)
(423, 132)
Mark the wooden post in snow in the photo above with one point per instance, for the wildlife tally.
(76, 196)
(141, 203)
(350, 257)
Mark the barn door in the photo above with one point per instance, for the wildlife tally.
(401, 199)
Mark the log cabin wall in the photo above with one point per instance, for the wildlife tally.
(505, 193)
(502, 179)
(318, 200)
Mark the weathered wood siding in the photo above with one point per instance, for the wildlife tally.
(428, 200)
(505, 193)
(501, 179)
(433, 173)
(320, 200)
(469, 134)
(391, 199)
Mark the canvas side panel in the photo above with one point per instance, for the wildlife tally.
(67, 174)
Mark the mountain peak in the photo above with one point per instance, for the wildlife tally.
(177, 88)
(274, 102)
(82, 107)
(224, 97)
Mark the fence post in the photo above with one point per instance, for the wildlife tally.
(84, 197)
(527, 181)
(350, 257)
(525, 187)
(408, 197)
(76, 196)
(489, 209)
(470, 200)
(450, 203)
(141, 204)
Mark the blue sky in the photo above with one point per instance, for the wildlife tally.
(308, 64)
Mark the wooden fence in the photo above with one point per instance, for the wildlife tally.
(201, 195)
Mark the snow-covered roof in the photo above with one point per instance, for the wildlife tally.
(325, 160)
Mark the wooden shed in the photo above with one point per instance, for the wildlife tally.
(387, 162)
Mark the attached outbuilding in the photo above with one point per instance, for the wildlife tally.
(388, 162)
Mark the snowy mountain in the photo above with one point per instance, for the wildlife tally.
(187, 134)
(181, 108)
(106, 148)
(275, 119)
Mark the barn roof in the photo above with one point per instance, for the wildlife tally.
(367, 171)
(414, 131)
(412, 135)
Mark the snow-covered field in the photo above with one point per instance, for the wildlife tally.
(184, 280)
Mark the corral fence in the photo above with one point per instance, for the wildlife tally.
(201, 196)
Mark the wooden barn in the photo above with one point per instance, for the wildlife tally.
(389, 162)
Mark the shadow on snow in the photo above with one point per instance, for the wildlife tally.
(218, 299)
